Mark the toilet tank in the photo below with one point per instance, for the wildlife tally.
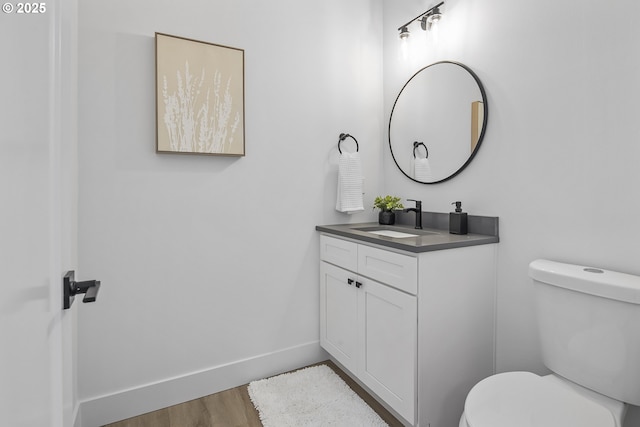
(589, 326)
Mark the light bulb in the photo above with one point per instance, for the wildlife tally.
(435, 16)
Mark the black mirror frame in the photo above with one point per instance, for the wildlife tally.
(482, 132)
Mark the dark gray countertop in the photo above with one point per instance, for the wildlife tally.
(436, 236)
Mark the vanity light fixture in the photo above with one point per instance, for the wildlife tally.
(427, 19)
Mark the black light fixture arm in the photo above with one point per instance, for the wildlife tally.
(420, 16)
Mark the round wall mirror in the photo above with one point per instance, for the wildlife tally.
(438, 122)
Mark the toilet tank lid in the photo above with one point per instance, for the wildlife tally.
(589, 280)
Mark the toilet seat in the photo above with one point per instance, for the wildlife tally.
(525, 399)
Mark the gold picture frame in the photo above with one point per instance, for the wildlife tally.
(199, 97)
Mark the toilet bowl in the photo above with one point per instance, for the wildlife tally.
(525, 399)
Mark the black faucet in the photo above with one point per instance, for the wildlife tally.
(418, 211)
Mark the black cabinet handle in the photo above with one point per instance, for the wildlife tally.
(350, 281)
(358, 284)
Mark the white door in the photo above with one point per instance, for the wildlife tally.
(37, 217)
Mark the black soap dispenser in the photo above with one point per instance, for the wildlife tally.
(458, 220)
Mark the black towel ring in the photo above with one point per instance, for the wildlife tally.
(344, 136)
(417, 144)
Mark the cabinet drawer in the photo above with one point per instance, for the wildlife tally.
(397, 270)
(339, 252)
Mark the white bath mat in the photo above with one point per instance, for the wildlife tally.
(310, 397)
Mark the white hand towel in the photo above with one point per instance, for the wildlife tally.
(349, 183)
(422, 170)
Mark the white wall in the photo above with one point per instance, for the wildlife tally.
(559, 163)
(207, 261)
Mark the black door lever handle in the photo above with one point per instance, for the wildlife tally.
(70, 288)
(92, 293)
(90, 289)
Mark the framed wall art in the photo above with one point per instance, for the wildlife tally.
(199, 97)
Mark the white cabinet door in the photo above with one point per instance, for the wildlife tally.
(338, 314)
(388, 345)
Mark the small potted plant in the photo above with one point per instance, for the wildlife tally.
(387, 206)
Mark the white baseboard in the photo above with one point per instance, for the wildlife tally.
(129, 403)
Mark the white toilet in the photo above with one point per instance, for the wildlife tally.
(589, 324)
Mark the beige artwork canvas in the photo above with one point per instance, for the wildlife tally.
(199, 97)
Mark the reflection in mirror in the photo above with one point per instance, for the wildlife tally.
(438, 122)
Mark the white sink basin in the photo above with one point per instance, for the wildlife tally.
(392, 233)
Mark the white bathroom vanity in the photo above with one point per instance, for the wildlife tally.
(416, 327)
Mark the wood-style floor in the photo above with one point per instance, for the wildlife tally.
(231, 408)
